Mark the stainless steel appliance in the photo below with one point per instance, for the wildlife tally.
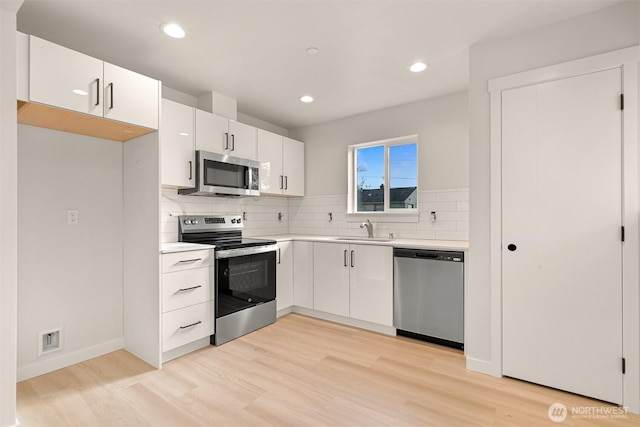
(428, 295)
(222, 175)
(245, 288)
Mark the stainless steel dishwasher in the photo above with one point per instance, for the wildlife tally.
(428, 295)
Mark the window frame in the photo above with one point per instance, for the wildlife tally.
(352, 193)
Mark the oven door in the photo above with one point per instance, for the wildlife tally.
(244, 278)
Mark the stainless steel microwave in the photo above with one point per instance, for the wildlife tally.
(222, 175)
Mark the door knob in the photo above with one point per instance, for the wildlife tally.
(512, 247)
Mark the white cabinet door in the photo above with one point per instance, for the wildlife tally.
(242, 141)
(187, 287)
(293, 166)
(371, 284)
(177, 145)
(180, 327)
(270, 158)
(303, 274)
(65, 78)
(130, 97)
(212, 132)
(331, 278)
(284, 274)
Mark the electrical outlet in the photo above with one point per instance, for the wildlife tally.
(73, 216)
(49, 341)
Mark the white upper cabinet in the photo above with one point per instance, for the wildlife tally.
(293, 166)
(282, 164)
(223, 136)
(270, 158)
(177, 143)
(130, 97)
(63, 78)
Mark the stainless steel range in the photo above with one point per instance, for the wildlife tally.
(245, 274)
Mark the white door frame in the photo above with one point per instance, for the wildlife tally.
(629, 60)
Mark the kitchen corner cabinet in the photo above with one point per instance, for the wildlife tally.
(282, 164)
(224, 136)
(187, 297)
(284, 274)
(177, 144)
(303, 274)
(354, 281)
(67, 79)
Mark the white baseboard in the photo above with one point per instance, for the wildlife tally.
(284, 311)
(483, 367)
(185, 349)
(50, 364)
(387, 330)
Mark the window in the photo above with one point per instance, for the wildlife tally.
(383, 176)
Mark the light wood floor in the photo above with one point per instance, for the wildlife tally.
(297, 372)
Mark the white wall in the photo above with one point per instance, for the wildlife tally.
(8, 211)
(602, 31)
(443, 145)
(70, 276)
(440, 123)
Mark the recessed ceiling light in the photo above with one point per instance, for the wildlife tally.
(306, 98)
(80, 92)
(418, 66)
(172, 30)
(313, 51)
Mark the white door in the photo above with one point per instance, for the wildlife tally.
(65, 78)
(243, 140)
(293, 168)
(284, 274)
(212, 132)
(371, 284)
(561, 247)
(331, 278)
(270, 158)
(177, 145)
(131, 97)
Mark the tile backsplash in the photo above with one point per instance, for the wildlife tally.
(310, 215)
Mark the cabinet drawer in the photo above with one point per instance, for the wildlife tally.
(187, 287)
(180, 327)
(178, 261)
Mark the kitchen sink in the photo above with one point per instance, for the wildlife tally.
(362, 239)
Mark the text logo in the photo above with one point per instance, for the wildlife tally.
(557, 412)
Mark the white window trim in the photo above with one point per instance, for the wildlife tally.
(389, 214)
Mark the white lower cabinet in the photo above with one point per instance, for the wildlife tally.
(187, 297)
(354, 281)
(303, 274)
(284, 274)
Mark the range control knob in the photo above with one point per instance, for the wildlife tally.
(194, 221)
(187, 221)
(233, 221)
(239, 220)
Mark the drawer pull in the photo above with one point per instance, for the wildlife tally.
(189, 289)
(189, 260)
(191, 325)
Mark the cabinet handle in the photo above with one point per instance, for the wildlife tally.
(286, 182)
(279, 256)
(189, 260)
(189, 289)
(191, 325)
(190, 170)
(353, 259)
(233, 142)
(110, 96)
(345, 257)
(281, 182)
(97, 92)
(226, 140)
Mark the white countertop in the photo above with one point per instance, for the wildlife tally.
(183, 247)
(449, 245)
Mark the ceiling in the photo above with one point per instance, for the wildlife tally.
(255, 51)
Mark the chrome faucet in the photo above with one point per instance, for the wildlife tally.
(369, 228)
